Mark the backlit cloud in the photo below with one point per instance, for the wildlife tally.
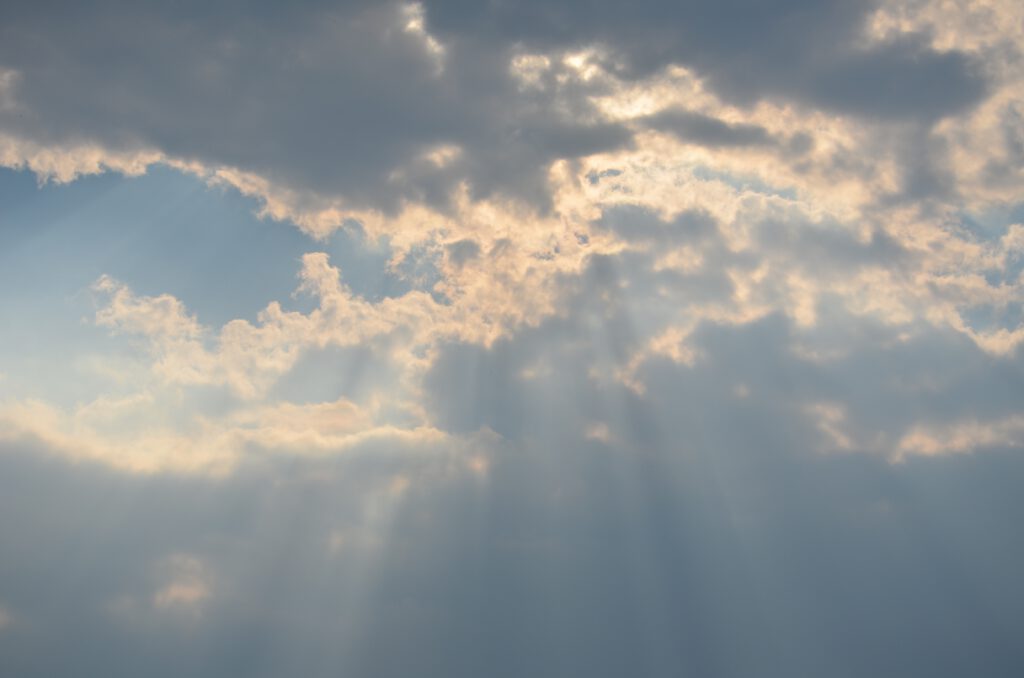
(523, 338)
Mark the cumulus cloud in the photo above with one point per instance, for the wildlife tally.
(351, 100)
(700, 328)
(369, 106)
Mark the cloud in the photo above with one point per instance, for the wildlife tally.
(326, 125)
(902, 79)
(321, 564)
(186, 585)
(705, 130)
(249, 357)
(640, 287)
(362, 109)
(619, 337)
(871, 387)
(800, 50)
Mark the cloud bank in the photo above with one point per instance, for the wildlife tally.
(553, 338)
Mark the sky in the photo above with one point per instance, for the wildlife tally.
(514, 338)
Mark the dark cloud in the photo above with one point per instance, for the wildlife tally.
(710, 483)
(705, 130)
(343, 100)
(634, 223)
(462, 251)
(800, 49)
(707, 525)
(591, 506)
(885, 385)
(331, 100)
(887, 380)
(710, 512)
(830, 249)
(901, 79)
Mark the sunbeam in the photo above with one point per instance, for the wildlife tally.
(529, 338)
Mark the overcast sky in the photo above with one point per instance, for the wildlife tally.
(512, 338)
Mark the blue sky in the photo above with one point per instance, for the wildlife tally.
(459, 339)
